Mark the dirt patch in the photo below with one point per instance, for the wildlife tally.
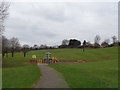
(107, 57)
(26, 63)
(77, 60)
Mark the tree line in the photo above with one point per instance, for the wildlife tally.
(74, 43)
(12, 45)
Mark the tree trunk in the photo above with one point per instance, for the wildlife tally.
(83, 49)
(3, 54)
(24, 54)
(12, 54)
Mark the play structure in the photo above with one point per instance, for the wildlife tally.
(49, 59)
(46, 59)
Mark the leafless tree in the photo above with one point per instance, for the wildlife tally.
(105, 43)
(35, 47)
(97, 39)
(42, 46)
(114, 39)
(25, 49)
(65, 42)
(3, 14)
(14, 45)
(5, 46)
(0, 43)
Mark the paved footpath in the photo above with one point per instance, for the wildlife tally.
(50, 78)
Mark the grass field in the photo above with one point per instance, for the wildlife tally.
(0, 78)
(101, 74)
(18, 73)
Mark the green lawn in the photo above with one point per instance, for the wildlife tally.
(90, 75)
(18, 73)
(0, 78)
(102, 74)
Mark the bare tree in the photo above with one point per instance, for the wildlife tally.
(3, 14)
(97, 39)
(42, 46)
(105, 43)
(114, 39)
(14, 45)
(65, 42)
(35, 47)
(5, 46)
(25, 49)
(0, 44)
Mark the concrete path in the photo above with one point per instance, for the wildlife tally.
(50, 78)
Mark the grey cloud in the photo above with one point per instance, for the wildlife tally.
(50, 23)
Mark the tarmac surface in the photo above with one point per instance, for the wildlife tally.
(50, 78)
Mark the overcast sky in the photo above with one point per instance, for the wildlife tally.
(51, 22)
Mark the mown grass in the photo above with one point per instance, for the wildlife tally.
(101, 74)
(0, 78)
(20, 77)
(89, 75)
(78, 54)
(17, 72)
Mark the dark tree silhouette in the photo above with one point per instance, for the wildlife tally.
(35, 47)
(84, 45)
(74, 43)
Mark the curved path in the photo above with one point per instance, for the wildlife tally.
(50, 78)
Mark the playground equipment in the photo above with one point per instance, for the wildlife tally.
(54, 60)
(34, 56)
(47, 59)
(51, 60)
(48, 55)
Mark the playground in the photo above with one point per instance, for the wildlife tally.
(49, 59)
(94, 68)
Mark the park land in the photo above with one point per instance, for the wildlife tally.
(102, 73)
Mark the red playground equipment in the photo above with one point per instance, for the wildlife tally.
(44, 60)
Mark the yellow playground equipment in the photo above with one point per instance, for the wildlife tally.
(52, 60)
(45, 60)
